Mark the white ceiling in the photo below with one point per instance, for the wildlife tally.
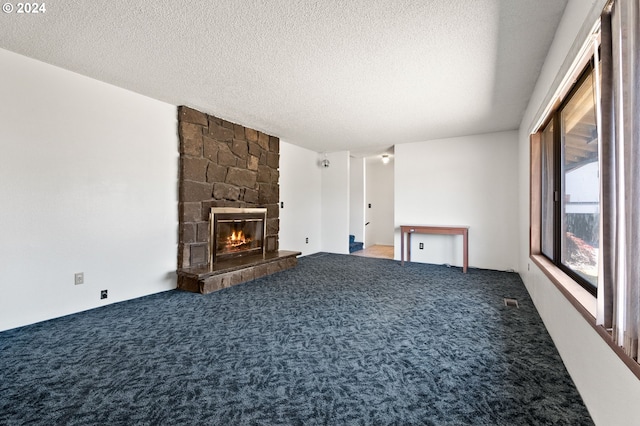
(328, 75)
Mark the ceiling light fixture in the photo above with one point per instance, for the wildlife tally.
(385, 158)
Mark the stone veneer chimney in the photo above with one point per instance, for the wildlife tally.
(222, 164)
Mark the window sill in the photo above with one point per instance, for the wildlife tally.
(579, 297)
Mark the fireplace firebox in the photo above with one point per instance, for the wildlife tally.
(236, 232)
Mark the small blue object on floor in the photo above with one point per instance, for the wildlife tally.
(354, 245)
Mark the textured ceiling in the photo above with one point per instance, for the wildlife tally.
(328, 75)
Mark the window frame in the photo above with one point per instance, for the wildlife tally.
(536, 217)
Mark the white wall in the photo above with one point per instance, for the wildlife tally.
(380, 194)
(582, 186)
(607, 386)
(335, 203)
(356, 198)
(300, 191)
(88, 176)
(468, 181)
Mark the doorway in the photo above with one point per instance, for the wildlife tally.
(372, 205)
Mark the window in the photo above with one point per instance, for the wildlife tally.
(570, 184)
(580, 182)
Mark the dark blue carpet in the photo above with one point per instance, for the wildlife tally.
(338, 340)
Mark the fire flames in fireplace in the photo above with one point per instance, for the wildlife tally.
(237, 239)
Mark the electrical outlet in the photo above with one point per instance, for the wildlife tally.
(79, 278)
(421, 246)
(306, 240)
(103, 294)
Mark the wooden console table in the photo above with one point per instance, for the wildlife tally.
(426, 229)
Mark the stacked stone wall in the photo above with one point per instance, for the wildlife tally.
(222, 164)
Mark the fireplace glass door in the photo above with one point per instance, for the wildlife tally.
(236, 234)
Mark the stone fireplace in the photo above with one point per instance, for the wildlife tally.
(228, 188)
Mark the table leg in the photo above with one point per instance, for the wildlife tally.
(401, 247)
(465, 254)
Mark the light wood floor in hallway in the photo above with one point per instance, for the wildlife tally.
(381, 252)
